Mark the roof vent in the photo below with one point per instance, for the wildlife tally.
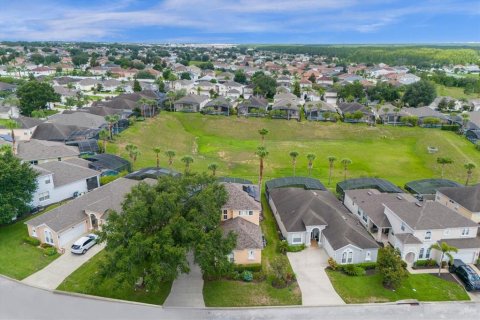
(344, 218)
(418, 204)
(315, 193)
(399, 197)
(369, 193)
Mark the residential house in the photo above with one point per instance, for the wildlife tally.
(320, 111)
(9, 112)
(60, 180)
(350, 110)
(87, 84)
(286, 106)
(464, 200)
(191, 103)
(241, 215)
(26, 127)
(218, 106)
(253, 107)
(40, 151)
(424, 114)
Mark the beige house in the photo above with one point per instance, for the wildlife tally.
(241, 215)
(464, 200)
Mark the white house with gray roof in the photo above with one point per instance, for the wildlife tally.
(40, 151)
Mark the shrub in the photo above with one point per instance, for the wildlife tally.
(296, 248)
(45, 245)
(282, 247)
(333, 264)
(280, 273)
(256, 267)
(425, 263)
(50, 251)
(32, 241)
(367, 265)
(353, 270)
(391, 266)
(450, 127)
(259, 276)
(247, 276)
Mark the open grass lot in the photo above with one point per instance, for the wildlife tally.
(455, 92)
(368, 289)
(80, 282)
(17, 259)
(398, 154)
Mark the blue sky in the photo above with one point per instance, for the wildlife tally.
(242, 21)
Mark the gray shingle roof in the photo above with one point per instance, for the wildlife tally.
(192, 99)
(428, 215)
(41, 150)
(465, 243)
(408, 238)
(65, 173)
(298, 206)
(239, 199)
(467, 197)
(73, 213)
(249, 235)
(54, 131)
(80, 119)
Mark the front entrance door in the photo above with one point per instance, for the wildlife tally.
(94, 221)
(315, 236)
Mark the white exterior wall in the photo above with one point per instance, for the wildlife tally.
(41, 188)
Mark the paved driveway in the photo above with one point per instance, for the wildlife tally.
(187, 289)
(309, 266)
(52, 275)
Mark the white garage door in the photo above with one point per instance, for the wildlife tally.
(72, 234)
(467, 256)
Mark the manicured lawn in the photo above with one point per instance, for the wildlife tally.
(224, 293)
(81, 282)
(398, 154)
(423, 287)
(19, 260)
(455, 92)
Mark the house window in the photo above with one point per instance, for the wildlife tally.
(250, 213)
(47, 181)
(44, 196)
(225, 214)
(231, 257)
(427, 255)
(359, 212)
(465, 232)
(402, 227)
(34, 232)
(368, 256)
(428, 235)
(48, 237)
(34, 162)
(347, 256)
(296, 239)
(364, 217)
(420, 255)
(251, 255)
(59, 159)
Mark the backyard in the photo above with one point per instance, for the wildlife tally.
(398, 154)
(369, 288)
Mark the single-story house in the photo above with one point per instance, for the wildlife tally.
(40, 151)
(253, 107)
(320, 111)
(191, 103)
(218, 106)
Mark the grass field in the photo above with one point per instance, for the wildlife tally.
(398, 154)
(81, 281)
(454, 92)
(368, 289)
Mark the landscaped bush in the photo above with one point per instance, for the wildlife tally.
(450, 127)
(32, 241)
(332, 263)
(281, 275)
(425, 263)
(50, 251)
(248, 267)
(259, 276)
(367, 265)
(353, 270)
(45, 245)
(296, 248)
(282, 247)
(247, 276)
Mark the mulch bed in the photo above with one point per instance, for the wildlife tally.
(445, 276)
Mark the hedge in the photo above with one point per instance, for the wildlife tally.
(296, 248)
(32, 241)
(425, 263)
(248, 267)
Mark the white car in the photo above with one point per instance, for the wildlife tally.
(84, 243)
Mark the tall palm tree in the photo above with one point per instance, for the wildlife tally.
(345, 162)
(263, 132)
(187, 160)
(294, 155)
(445, 249)
(157, 151)
(171, 97)
(103, 135)
(465, 119)
(469, 166)
(331, 161)
(112, 120)
(133, 152)
(170, 155)
(261, 153)
(444, 161)
(12, 125)
(310, 157)
(213, 167)
(142, 103)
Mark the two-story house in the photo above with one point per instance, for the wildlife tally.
(40, 151)
(464, 200)
(241, 215)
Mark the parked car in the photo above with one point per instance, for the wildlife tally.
(468, 276)
(82, 245)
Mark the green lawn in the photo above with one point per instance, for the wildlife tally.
(398, 154)
(19, 260)
(367, 289)
(80, 281)
(454, 92)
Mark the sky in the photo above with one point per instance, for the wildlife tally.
(242, 21)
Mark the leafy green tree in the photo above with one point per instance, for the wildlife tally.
(311, 157)
(159, 225)
(294, 155)
(261, 153)
(331, 162)
(185, 76)
(213, 167)
(136, 86)
(444, 161)
(345, 163)
(351, 91)
(446, 250)
(170, 155)
(263, 84)
(469, 167)
(35, 95)
(240, 77)
(420, 93)
(187, 160)
(157, 151)
(17, 185)
(391, 267)
(37, 58)
(80, 58)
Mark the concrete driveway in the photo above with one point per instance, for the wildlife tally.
(309, 267)
(187, 289)
(52, 275)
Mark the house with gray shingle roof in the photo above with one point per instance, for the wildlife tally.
(241, 215)
(40, 151)
(191, 103)
(464, 200)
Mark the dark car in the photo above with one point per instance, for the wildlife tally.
(469, 277)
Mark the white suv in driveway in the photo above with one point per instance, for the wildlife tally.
(84, 243)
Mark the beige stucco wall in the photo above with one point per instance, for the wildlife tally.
(41, 234)
(255, 218)
(241, 256)
(457, 207)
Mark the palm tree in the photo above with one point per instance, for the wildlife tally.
(263, 132)
(112, 120)
(294, 155)
(142, 103)
(469, 166)
(157, 151)
(465, 119)
(12, 125)
(133, 152)
(213, 167)
(261, 153)
(170, 155)
(103, 135)
(445, 249)
(171, 97)
(310, 157)
(331, 161)
(345, 162)
(443, 161)
(187, 160)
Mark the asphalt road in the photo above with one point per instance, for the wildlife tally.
(19, 301)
